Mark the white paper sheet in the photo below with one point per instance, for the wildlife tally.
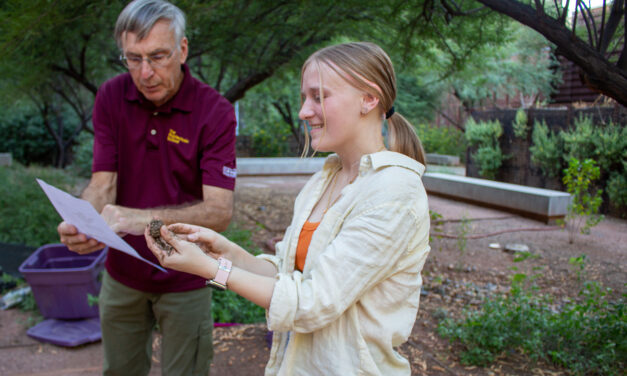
(87, 220)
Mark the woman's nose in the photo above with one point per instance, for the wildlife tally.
(306, 111)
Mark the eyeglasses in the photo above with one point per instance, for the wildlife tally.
(155, 61)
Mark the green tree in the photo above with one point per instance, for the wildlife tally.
(521, 66)
(57, 52)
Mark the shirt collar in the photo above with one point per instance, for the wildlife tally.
(182, 100)
(377, 161)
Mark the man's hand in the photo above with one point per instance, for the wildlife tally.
(76, 241)
(124, 220)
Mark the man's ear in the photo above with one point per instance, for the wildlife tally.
(368, 103)
(184, 50)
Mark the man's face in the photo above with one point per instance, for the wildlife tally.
(157, 83)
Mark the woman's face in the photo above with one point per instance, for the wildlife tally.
(342, 107)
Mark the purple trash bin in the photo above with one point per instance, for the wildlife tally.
(61, 279)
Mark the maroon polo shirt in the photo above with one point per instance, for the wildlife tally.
(163, 156)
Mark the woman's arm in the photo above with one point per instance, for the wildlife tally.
(190, 258)
(216, 245)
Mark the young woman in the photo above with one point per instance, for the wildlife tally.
(342, 291)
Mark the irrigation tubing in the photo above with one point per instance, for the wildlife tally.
(449, 236)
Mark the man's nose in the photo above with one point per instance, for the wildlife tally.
(146, 69)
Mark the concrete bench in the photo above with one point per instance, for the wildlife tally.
(279, 166)
(442, 160)
(542, 204)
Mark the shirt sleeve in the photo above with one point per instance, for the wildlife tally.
(369, 248)
(105, 147)
(218, 161)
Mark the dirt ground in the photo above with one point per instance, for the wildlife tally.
(464, 266)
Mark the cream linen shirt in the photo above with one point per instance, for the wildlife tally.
(357, 297)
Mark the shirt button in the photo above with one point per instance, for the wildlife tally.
(153, 132)
(155, 113)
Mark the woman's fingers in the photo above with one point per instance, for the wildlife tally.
(183, 228)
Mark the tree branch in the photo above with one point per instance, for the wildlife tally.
(77, 77)
(600, 74)
(454, 9)
(586, 14)
(616, 14)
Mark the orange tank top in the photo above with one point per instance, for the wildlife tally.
(303, 243)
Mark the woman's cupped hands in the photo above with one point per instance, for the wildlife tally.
(191, 245)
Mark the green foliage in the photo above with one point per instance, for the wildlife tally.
(83, 155)
(604, 143)
(26, 214)
(588, 337)
(583, 209)
(546, 151)
(442, 140)
(520, 124)
(415, 99)
(227, 306)
(579, 263)
(436, 224)
(27, 303)
(462, 236)
(617, 186)
(25, 137)
(518, 66)
(485, 136)
(269, 141)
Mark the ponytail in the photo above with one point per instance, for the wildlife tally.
(403, 138)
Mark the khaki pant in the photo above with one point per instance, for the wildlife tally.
(128, 317)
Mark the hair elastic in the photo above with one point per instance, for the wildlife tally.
(389, 113)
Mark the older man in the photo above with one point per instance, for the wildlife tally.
(164, 147)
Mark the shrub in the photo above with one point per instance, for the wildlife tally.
(583, 209)
(546, 151)
(485, 136)
(588, 337)
(442, 140)
(617, 187)
(25, 136)
(604, 143)
(273, 142)
(520, 124)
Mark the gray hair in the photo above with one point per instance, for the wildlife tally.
(139, 16)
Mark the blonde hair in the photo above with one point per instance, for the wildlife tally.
(367, 67)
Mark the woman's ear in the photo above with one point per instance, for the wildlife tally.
(368, 103)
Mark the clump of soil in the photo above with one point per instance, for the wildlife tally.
(155, 227)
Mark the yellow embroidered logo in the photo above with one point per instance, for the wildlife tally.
(173, 137)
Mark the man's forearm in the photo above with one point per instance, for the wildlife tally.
(210, 214)
(101, 190)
